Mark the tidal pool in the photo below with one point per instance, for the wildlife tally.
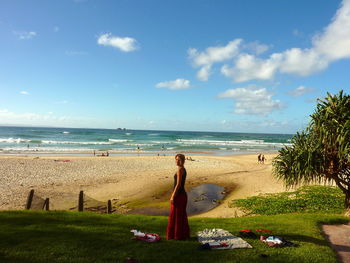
(204, 198)
(200, 199)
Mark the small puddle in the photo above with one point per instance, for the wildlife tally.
(204, 198)
(201, 199)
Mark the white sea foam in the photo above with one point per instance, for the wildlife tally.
(217, 142)
(220, 143)
(66, 132)
(59, 150)
(258, 144)
(119, 140)
(13, 140)
(163, 142)
(138, 144)
(75, 142)
(45, 149)
(251, 141)
(19, 140)
(201, 142)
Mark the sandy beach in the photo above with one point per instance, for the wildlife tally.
(142, 180)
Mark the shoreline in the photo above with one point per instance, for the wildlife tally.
(130, 181)
(133, 153)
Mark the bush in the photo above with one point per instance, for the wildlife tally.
(306, 199)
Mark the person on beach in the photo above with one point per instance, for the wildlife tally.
(178, 227)
(259, 158)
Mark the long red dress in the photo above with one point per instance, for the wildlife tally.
(178, 227)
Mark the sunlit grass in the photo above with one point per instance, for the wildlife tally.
(28, 236)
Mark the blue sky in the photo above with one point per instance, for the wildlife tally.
(235, 66)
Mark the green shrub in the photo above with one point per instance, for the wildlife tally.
(307, 199)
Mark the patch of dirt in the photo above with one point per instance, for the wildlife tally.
(339, 239)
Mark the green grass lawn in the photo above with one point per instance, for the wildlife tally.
(29, 236)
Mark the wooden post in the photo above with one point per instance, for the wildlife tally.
(46, 205)
(81, 201)
(109, 207)
(30, 199)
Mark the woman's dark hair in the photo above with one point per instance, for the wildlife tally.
(181, 156)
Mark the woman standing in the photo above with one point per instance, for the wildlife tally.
(178, 227)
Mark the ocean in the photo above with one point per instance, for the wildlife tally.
(56, 141)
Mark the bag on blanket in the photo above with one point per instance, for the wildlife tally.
(147, 237)
(276, 241)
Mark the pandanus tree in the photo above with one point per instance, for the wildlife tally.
(320, 153)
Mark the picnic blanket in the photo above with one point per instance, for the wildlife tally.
(221, 239)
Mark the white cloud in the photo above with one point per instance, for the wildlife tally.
(56, 120)
(300, 91)
(256, 47)
(174, 84)
(204, 73)
(24, 34)
(47, 119)
(302, 62)
(332, 44)
(23, 92)
(125, 44)
(212, 55)
(7, 115)
(252, 101)
(249, 67)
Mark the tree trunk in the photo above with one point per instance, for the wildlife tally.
(347, 213)
(347, 199)
(345, 189)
